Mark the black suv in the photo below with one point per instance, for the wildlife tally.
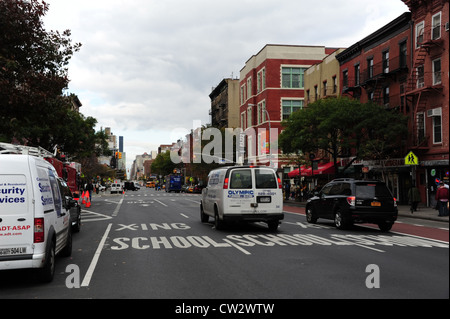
(348, 201)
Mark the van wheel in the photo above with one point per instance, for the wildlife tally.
(67, 251)
(310, 216)
(48, 271)
(273, 225)
(217, 222)
(203, 217)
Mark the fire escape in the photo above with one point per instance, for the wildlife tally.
(420, 86)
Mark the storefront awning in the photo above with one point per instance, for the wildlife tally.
(323, 168)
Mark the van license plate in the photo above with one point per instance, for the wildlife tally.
(375, 204)
(13, 251)
(264, 199)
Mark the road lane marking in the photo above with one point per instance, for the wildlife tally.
(184, 215)
(160, 202)
(236, 246)
(90, 271)
(116, 211)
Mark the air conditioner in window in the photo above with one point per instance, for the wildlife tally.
(446, 26)
(434, 112)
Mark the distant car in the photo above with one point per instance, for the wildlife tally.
(198, 189)
(116, 188)
(137, 186)
(184, 188)
(348, 201)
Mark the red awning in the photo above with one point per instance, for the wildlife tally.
(323, 168)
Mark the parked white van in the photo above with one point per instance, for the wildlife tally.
(34, 215)
(243, 193)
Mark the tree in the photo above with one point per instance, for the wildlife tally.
(33, 72)
(342, 127)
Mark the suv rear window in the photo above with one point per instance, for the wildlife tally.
(371, 190)
(265, 178)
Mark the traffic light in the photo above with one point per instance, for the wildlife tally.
(120, 155)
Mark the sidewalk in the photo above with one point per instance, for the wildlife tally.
(403, 210)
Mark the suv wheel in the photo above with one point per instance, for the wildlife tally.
(310, 215)
(339, 220)
(385, 226)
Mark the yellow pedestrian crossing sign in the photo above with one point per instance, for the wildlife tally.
(411, 159)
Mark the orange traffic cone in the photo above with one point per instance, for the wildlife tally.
(83, 197)
(88, 202)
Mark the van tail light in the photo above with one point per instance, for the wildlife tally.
(279, 183)
(351, 200)
(39, 230)
(395, 202)
(225, 183)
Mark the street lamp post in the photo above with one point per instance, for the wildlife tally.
(270, 137)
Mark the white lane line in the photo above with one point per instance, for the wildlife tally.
(184, 215)
(116, 211)
(90, 271)
(236, 246)
(160, 202)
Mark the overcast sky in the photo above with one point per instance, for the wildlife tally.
(147, 67)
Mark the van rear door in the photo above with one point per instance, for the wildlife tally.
(16, 214)
(240, 196)
(269, 195)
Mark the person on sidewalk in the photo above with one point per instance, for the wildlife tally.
(442, 199)
(413, 198)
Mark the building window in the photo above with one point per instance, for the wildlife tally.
(437, 129)
(324, 88)
(385, 59)
(290, 106)
(292, 78)
(243, 120)
(420, 77)
(249, 88)
(345, 78)
(403, 53)
(261, 112)
(386, 96)
(334, 85)
(420, 126)
(437, 71)
(249, 116)
(419, 33)
(316, 93)
(436, 26)
(370, 68)
(357, 74)
(242, 95)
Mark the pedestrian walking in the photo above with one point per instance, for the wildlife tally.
(442, 199)
(90, 188)
(413, 198)
(287, 189)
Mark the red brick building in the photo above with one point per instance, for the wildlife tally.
(404, 65)
(271, 87)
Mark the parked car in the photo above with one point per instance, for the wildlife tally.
(72, 204)
(348, 201)
(35, 211)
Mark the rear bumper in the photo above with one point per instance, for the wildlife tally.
(358, 216)
(254, 217)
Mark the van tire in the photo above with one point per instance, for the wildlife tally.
(217, 222)
(203, 217)
(67, 250)
(47, 273)
(273, 225)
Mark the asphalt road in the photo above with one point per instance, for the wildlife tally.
(152, 245)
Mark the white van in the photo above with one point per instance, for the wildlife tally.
(34, 215)
(116, 188)
(243, 193)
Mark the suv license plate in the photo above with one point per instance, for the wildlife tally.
(375, 204)
(264, 199)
